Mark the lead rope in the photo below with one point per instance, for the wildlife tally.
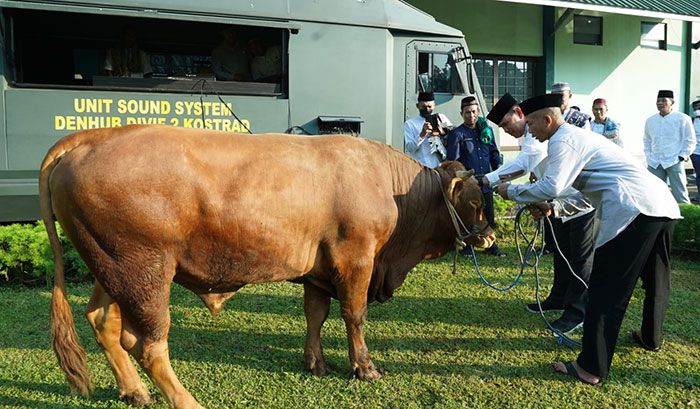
(457, 223)
(202, 83)
(562, 339)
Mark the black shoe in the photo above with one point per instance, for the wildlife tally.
(495, 251)
(565, 325)
(637, 337)
(467, 251)
(547, 306)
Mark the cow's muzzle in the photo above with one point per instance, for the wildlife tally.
(482, 239)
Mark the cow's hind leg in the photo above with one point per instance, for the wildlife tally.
(153, 356)
(149, 345)
(104, 316)
(145, 307)
(352, 285)
(316, 306)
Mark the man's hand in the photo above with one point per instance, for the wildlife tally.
(540, 210)
(502, 190)
(485, 181)
(427, 129)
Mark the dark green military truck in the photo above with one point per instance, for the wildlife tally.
(351, 66)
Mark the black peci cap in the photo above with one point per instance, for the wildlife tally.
(426, 96)
(665, 93)
(504, 104)
(466, 101)
(539, 102)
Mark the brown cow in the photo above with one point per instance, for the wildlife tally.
(148, 205)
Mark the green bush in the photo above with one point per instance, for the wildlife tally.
(686, 235)
(25, 252)
(25, 256)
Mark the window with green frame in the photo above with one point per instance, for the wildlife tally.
(500, 74)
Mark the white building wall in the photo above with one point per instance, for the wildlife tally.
(622, 72)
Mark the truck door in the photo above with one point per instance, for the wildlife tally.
(443, 68)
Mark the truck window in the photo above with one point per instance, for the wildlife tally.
(73, 50)
(437, 73)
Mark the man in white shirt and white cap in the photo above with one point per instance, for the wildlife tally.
(422, 141)
(571, 116)
(637, 215)
(669, 139)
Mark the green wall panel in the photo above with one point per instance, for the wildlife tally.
(491, 27)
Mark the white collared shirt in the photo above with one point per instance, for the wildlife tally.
(533, 158)
(619, 187)
(668, 137)
(418, 148)
(696, 123)
(532, 152)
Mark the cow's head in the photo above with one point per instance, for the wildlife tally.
(462, 190)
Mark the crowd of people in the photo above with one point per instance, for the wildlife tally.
(231, 59)
(612, 218)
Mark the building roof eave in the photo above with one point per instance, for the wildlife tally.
(672, 9)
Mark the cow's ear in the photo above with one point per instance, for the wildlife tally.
(456, 185)
(465, 174)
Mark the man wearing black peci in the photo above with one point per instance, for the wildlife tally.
(637, 214)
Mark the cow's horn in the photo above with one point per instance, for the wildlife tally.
(464, 174)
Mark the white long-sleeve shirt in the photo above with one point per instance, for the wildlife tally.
(418, 148)
(533, 158)
(668, 137)
(532, 152)
(619, 187)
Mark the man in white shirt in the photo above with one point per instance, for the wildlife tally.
(229, 60)
(669, 139)
(695, 156)
(575, 235)
(421, 141)
(127, 59)
(265, 62)
(637, 215)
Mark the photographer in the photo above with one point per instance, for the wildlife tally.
(423, 133)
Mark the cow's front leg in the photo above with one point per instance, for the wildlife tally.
(316, 306)
(353, 308)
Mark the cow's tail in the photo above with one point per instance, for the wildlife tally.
(66, 345)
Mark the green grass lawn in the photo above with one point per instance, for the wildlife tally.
(444, 341)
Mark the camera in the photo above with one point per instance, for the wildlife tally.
(434, 120)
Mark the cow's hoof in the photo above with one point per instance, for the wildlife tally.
(318, 369)
(137, 398)
(368, 374)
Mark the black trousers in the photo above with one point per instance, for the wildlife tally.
(576, 239)
(488, 206)
(548, 241)
(641, 250)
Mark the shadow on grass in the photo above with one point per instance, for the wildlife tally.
(472, 311)
(284, 353)
(105, 396)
